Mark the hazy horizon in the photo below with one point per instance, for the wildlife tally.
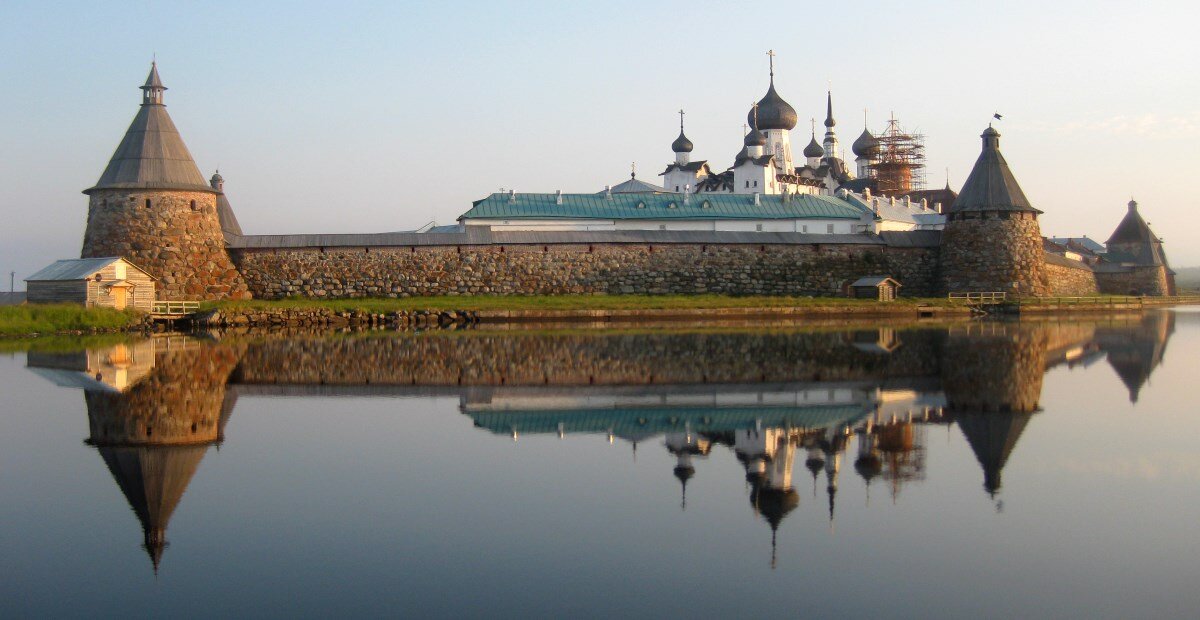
(374, 118)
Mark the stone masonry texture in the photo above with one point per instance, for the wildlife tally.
(994, 253)
(818, 270)
(177, 239)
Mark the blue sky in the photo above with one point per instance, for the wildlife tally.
(368, 117)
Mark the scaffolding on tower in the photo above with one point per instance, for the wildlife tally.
(899, 167)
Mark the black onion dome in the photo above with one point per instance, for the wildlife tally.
(682, 144)
(773, 112)
(755, 138)
(866, 145)
(813, 149)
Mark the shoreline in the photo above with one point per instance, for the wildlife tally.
(592, 311)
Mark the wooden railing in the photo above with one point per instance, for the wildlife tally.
(174, 308)
(979, 298)
(1108, 300)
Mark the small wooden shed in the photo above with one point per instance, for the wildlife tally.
(881, 288)
(111, 282)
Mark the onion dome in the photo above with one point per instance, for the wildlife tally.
(866, 145)
(773, 112)
(682, 144)
(813, 149)
(755, 138)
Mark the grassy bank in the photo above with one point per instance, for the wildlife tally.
(59, 318)
(565, 302)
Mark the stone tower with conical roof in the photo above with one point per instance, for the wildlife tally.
(153, 207)
(992, 241)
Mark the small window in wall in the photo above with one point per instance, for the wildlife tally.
(147, 203)
(119, 270)
(747, 183)
(676, 189)
(758, 227)
(193, 205)
(804, 228)
(829, 229)
(756, 184)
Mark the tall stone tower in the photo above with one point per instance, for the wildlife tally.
(152, 207)
(992, 241)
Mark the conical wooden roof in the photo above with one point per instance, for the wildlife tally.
(152, 154)
(991, 185)
(153, 480)
(992, 437)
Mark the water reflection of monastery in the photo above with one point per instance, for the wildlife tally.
(859, 400)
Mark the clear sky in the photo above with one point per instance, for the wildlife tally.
(372, 117)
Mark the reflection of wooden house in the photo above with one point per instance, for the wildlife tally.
(94, 282)
(882, 340)
(111, 369)
(882, 288)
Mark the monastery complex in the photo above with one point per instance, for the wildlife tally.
(776, 222)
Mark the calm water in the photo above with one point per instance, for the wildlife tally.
(1039, 469)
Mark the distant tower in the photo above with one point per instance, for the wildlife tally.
(831, 142)
(153, 207)
(992, 241)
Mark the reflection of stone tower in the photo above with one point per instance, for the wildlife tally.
(153, 436)
(992, 378)
(1135, 351)
(992, 241)
(152, 207)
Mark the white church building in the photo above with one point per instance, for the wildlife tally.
(765, 190)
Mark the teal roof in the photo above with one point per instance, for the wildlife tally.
(640, 421)
(662, 206)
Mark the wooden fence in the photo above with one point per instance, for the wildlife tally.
(174, 308)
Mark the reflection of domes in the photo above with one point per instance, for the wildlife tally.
(814, 465)
(773, 112)
(868, 467)
(773, 504)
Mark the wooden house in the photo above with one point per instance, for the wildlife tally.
(94, 282)
(881, 288)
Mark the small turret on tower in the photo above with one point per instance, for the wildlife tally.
(152, 90)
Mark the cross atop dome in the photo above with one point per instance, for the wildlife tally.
(772, 111)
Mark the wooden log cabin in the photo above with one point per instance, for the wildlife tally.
(111, 282)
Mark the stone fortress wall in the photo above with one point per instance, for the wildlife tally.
(741, 269)
(1068, 278)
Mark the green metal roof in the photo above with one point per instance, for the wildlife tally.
(662, 206)
(633, 421)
